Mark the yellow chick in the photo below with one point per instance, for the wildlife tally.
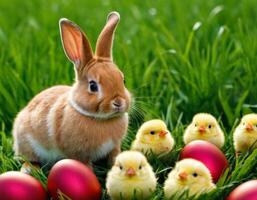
(153, 135)
(191, 175)
(204, 127)
(245, 135)
(131, 176)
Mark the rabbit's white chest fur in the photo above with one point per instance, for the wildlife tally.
(54, 154)
(103, 150)
(48, 155)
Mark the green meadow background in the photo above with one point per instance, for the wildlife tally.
(178, 57)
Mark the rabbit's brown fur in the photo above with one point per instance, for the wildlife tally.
(77, 122)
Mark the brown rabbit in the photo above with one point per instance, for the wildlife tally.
(85, 121)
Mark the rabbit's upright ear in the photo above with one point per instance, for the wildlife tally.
(105, 39)
(75, 43)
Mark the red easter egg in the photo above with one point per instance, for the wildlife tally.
(74, 180)
(245, 191)
(209, 154)
(20, 186)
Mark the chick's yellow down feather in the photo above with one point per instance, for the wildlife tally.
(204, 126)
(153, 136)
(131, 176)
(245, 135)
(191, 175)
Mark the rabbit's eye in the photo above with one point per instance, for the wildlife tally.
(93, 86)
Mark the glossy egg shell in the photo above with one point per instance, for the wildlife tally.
(245, 191)
(73, 179)
(19, 186)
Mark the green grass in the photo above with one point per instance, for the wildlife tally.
(172, 69)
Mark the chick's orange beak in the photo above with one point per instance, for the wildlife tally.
(201, 129)
(163, 133)
(182, 176)
(249, 127)
(130, 172)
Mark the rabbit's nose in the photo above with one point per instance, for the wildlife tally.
(118, 103)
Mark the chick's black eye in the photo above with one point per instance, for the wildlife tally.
(210, 126)
(121, 168)
(140, 167)
(195, 125)
(93, 86)
(152, 132)
(195, 174)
